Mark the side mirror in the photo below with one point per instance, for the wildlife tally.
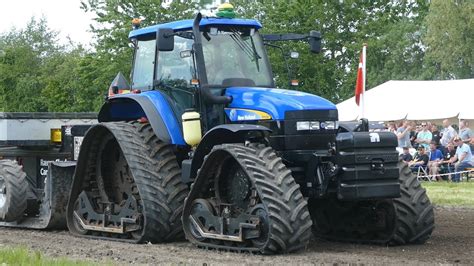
(165, 39)
(315, 41)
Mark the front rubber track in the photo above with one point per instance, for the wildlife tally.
(16, 187)
(414, 211)
(288, 216)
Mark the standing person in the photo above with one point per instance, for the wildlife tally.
(424, 137)
(465, 133)
(392, 127)
(448, 133)
(403, 135)
(436, 158)
(436, 134)
(413, 133)
(462, 158)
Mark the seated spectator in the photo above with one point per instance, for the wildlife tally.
(406, 156)
(445, 165)
(421, 159)
(463, 158)
(424, 137)
(465, 133)
(403, 135)
(436, 158)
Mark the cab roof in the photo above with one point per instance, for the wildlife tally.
(187, 24)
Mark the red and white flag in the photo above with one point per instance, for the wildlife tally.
(359, 89)
(360, 82)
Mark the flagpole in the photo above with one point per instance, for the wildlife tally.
(362, 98)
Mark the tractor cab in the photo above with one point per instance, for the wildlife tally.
(231, 53)
(195, 62)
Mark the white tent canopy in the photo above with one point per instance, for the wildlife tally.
(414, 100)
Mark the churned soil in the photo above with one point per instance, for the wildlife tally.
(452, 242)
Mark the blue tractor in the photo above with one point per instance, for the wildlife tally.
(204, 146)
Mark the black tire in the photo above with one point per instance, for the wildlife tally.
(288, 223)
(13, 186)
(413, 210)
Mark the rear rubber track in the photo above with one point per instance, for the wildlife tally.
(414, 211)
(414, 219)
(156, 175)
(169, 179)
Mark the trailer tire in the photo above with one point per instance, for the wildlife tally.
(13, 189)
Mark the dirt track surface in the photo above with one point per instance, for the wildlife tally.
(451, 242)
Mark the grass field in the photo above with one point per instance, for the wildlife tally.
(22, 256)
(450, 194)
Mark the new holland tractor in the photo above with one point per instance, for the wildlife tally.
(204, 144)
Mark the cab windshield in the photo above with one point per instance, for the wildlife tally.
(235, 57)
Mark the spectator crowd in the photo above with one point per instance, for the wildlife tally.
(438, 150)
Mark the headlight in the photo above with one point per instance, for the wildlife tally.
(316, 125)
(302, 125)
(331, 125)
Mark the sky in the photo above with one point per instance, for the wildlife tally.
(65, 16)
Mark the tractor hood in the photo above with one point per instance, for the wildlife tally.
(252, 103)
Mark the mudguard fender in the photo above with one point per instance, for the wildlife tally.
(150, 104)
(229, 133)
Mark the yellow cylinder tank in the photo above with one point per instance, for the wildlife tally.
(191, 127)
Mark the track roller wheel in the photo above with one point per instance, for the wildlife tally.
(13, 189)
(260, 211)
(259, 207)
(199, 209)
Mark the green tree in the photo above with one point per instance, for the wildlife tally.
(37, 74)
(69, 87)
(449, 39)
(345, 26)
(113, 24)
(24, 53)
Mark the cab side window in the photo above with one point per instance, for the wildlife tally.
(174, 72)
(176, 66)
(144, 65)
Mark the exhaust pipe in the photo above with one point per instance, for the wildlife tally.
(201, 68)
